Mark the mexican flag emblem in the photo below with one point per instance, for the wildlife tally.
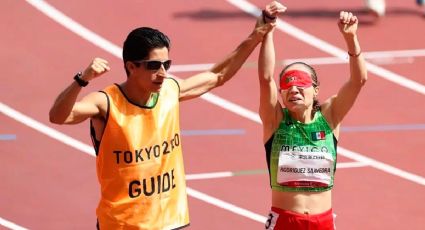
(316, 136)
(290, 78)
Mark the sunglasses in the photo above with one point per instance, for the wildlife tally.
(155, 65)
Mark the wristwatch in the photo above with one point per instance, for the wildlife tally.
(80, 81)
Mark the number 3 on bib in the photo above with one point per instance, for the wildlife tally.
(271, 221)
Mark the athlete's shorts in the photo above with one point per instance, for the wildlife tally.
(280, 219)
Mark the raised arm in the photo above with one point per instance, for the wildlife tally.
(66, 109)
(224, 70)
(336, 107)
(270, 109)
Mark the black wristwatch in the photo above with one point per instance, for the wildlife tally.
(80, 81)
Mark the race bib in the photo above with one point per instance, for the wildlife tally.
(305, 169)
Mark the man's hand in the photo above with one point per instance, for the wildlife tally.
(262, 29)
(96, 68)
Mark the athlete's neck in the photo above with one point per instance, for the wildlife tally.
(135, 95)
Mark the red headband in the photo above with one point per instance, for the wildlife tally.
(295, 78)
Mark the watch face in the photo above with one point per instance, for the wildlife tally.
(80, 81)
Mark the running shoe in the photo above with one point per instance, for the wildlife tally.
(377, 7)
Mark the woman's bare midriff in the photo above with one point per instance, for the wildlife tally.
(303, 202)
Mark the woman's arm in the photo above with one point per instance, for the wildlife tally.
(336, 107)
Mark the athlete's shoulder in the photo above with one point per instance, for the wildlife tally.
(172, 81)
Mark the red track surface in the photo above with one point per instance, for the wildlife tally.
(48, 185)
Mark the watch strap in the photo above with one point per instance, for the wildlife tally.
(80, 81)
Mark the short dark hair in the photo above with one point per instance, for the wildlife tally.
(140, 42)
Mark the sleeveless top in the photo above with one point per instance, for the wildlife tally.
(302, 157)
(140, 164)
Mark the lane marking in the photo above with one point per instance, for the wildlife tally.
(42, 128)
(216, 175)
(329, 48)
(109, 47)
(382, 57)
(7, 137)
(190, 68)
(346, 165)
(210, 132)
(10, 225)
(75, 27)
(213, 175)
(227, 206)
(382, 166)
(383, 128)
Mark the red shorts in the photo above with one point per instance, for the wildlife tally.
(280, 219)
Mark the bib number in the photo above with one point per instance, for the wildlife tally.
(305, 169)
(271, 220)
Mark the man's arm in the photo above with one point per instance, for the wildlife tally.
(224, 70)
(66, 109)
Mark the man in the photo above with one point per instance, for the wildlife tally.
(135, 129)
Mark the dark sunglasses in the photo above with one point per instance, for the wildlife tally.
(155, 65)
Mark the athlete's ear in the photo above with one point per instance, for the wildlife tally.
(130, 66)
(316, 91)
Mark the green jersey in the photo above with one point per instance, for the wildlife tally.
(302, 157)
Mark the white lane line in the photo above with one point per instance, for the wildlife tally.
(382, 57)
(382, 166)
(75, 27)
(346, 165)
(395, 53)
(225, 205)
(10, 225)
(232, 107)
(190, 67)
(109, 47)
(8, 111)
(329, 48)
(20, 117)
(383, 128)
(216, 175)
(212, 175)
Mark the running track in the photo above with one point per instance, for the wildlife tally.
(48, 171)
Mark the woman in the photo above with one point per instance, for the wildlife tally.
(300, 138)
